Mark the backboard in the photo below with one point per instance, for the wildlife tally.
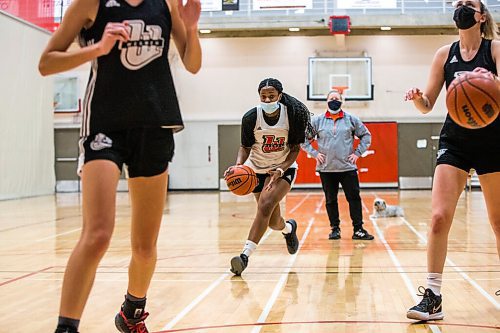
(353, 73)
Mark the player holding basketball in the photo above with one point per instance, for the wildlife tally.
(130, 114)
(460, 149)
(271, 134)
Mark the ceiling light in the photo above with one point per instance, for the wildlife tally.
(385, 28)
(293, 29)
(205, 31)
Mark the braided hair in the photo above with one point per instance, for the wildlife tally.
(301, 117)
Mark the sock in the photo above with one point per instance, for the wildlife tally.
(249, 248)
(434, 282)
(133, 307)
(287, 229)
(69, 323)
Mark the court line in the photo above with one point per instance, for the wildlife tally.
(327, 322)
(319, 205)
(205, 293)
(456, 268)
(398, 265)
(452, 264)
(57, 235)
(299, 204)
(25, 276)
(282, 281)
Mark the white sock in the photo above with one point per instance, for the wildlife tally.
(287, 229)
(434, 281)
(249, 248)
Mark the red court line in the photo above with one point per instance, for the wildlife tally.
(25, 276)
(328, 322)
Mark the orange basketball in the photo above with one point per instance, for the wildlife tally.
(241, 180)
(473, 100)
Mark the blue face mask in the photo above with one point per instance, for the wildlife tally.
(269, 107)
(334, 106)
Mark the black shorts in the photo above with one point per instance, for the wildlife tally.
(481, 159)
(145, 151)
(288, 176)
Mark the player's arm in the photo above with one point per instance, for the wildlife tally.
(81, 13)
(243, 154)
(495, 50)
(291, 157)
(185, 32)
(424, 101)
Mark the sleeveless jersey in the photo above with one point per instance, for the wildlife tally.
(454, 66)
(132, 86)
(271, 143)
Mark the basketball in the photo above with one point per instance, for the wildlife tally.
(473, 100)
(241, 180)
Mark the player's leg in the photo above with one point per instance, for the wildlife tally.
(330, 185)
(490, 184)
(99, 182)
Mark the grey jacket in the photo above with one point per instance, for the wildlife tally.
(335, 141)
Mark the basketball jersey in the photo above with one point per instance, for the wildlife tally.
(271, 143)
(132, 86)
(455, 66)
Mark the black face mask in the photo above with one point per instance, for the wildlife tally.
(464, 17)
(334, 105)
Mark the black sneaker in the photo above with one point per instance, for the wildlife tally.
(292, 242)
(335, 234)
(429, 308)
(497, 293)
(238, 264)
(127, 325)
(362, 234)
(65, 330)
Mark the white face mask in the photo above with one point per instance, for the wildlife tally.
(269, 107)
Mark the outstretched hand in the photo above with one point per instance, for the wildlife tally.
(190, 13)
(274, 176)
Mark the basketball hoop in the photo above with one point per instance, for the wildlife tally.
(340, 89)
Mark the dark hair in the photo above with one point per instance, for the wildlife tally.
(298, 111)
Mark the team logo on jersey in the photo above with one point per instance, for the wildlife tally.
(112, 3)
(273, 144)
(144, 46)
(440, 153)
(457, 74)
(454, 59)
(100, 142)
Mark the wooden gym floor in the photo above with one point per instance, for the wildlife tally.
(328, 286)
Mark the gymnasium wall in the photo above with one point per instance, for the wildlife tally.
(232, 68)
(26, 119)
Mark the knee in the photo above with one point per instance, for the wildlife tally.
(266, 207)
(144, 252)
(96, 241)
(440, 223)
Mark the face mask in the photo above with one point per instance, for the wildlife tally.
(269, 107)
(334, 106)
(464, 17)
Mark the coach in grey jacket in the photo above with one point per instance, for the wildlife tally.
(336, 161)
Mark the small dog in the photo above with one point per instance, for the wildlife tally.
(381, 209)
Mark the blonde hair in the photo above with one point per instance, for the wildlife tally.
(489, 28)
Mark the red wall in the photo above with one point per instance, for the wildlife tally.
(379, 166)
(39, 12)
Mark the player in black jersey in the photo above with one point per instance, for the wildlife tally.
(460, 149)
(129, 116)
(271, 134)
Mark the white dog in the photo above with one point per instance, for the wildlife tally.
(381, 209)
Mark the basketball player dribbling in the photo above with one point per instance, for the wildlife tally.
(460, 149)
(271, 134)
(130, 114)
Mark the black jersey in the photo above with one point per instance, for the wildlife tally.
(132, 86)
(453, 67)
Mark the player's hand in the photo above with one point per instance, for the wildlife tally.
(274, 176)
(113, 32)
(487, 73)
(352, 158)
(229, 171)
(321, 158)
(190, 13)
(413, 94)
